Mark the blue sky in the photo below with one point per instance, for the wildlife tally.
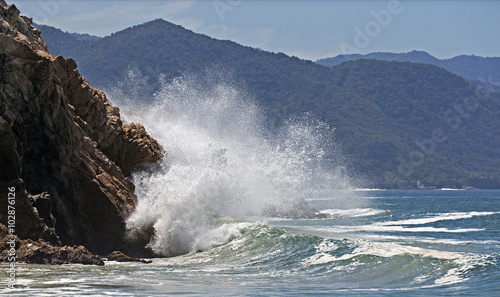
(307, 29)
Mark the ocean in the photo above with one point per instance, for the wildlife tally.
(222, 200)
(420, 243)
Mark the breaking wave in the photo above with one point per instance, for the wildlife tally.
(220, 161)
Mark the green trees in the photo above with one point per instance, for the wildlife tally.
(385, 114)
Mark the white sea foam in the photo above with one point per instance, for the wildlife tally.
(432, 240)
(438, 217)
(220, 236)
(381, 249)
(368, 190)
(219, 160)
(381, 228)
(465, 263)
(355, 212)
(318, 199)
(391, 249)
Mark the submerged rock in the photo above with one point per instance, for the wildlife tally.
(64, 149)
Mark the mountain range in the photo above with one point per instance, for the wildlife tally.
(397, 122)
(478, 70)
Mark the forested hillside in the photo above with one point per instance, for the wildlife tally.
(397, 122)
(478, 70)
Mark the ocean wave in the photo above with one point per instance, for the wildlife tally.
(262, 254)
(298, 254)
(436, 267)
(379, 249)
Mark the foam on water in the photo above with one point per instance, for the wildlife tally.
(452, 273)
(429, 240)
(354, 212)
(380, 249)
(438, 217)
(219, 161)
(367, 190)
(408, 225)
(296, 258)
(376, 227)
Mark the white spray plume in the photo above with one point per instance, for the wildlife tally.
(219, 162)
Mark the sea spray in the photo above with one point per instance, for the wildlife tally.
(220, 162)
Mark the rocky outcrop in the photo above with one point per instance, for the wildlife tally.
(41, 252)
(63, 147)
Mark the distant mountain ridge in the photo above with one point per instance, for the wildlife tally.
(385, 114)
(473, 68)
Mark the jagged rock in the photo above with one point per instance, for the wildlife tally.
(129, 146)
(42, 204)
(121, 257)
(62, 138)
(41, 252)
(29, 224)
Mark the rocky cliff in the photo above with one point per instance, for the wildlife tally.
(63, 147)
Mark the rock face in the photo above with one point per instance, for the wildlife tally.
(63, 147)
(129, 145)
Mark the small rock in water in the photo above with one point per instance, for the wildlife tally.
(121, 257)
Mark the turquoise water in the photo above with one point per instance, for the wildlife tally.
(421, 243)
